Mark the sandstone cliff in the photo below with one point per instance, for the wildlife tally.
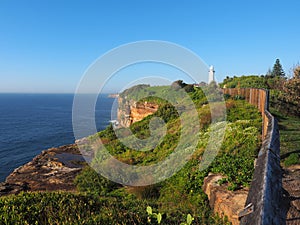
(130, 111)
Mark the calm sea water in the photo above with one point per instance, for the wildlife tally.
(30, 123)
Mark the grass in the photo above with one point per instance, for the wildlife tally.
(182, 194)
(292, 159)
(289, 137)
(68, 208)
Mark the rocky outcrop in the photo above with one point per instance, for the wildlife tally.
(52, 170)
(130, 111)
(113, 95)
(7, 188)
(222, 201)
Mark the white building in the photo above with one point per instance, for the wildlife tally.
(211, 74)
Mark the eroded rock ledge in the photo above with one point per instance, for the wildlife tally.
(222, 201)
(54, 169)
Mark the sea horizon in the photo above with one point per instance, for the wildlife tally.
(33, 122)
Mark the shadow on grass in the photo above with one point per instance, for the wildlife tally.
(283, 156)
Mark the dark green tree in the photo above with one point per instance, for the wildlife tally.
(189, 88)
(178, 83)
(277, 69)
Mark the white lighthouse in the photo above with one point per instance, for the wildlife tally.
(211, 74)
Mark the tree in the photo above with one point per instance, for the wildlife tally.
(178, 83)
(189, 88)
(269, 73)
(277, 70)
(297, 72)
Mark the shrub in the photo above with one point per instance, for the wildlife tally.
(292, 159)
(91, 182)
(68, 209)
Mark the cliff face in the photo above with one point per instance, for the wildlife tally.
(130, 111)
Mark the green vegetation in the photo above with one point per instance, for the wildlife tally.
(277, 70)
(284, 102)
(178, 199)
(289, 137)
(151, 214)
(182, 194)
(68, 208)
(158, 217)
(284, 92)
(246, 82)
(90, 182)
(292, 159)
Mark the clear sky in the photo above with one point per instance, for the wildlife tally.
(47, 45)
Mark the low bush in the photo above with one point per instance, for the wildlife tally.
(292, 159)
(68, 209)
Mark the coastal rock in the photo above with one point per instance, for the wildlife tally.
(52, 170)
(6, 188)
(222, 201)
(130, 111)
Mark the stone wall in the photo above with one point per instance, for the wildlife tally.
(265, 194)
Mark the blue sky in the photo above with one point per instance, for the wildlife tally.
(46, 46)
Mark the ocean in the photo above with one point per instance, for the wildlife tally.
(31, 123)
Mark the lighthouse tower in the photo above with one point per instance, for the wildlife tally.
(211, 74)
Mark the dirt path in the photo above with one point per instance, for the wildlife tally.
(291, 185)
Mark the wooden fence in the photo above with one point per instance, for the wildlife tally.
(265, 194)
